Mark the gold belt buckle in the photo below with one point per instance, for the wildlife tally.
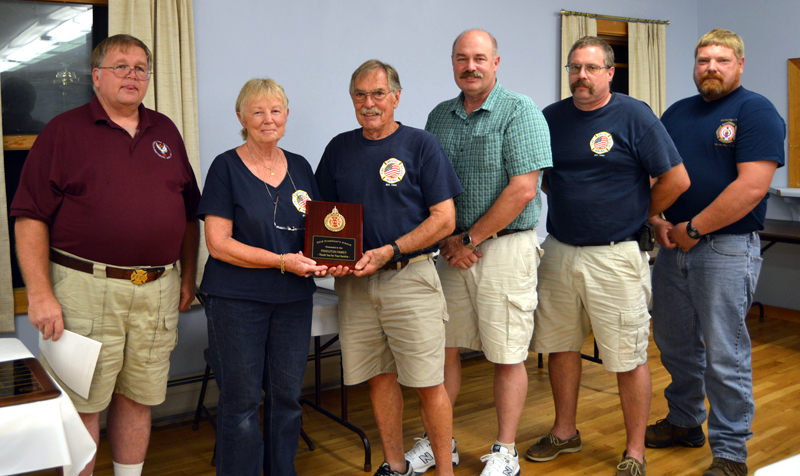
(139, 276)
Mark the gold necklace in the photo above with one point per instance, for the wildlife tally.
(271, 171)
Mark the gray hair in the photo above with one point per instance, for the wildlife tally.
(368, 67)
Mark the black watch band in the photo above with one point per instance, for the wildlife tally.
(692, 231)
(397, 253)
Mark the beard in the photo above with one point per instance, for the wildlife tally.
(580, 82)
(712, 86)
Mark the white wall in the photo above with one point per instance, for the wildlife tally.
(312, 47)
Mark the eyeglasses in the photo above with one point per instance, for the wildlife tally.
(592, 69)
(275, 204)
(377, 95)
(123, 70)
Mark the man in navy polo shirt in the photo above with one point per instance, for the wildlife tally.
(731, 141)
(391, 307)
(105, 208)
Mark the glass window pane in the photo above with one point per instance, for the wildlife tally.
(44, 61)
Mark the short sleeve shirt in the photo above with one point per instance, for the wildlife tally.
(264, 217)
(713, 137)
(397, 179)
(599, 187)
(107, 196)
(507, 136)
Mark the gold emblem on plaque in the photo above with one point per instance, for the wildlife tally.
(334, 221)
(139, 276)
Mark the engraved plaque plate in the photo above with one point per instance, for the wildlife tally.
(334, 233)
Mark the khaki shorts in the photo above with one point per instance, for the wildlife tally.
(491, 304)
(393, 322)
(602, 288)
(137, 325)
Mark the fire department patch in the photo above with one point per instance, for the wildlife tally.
(162, 149)
(601, 143)
(392, 171)
(726, 133)
(299, 199)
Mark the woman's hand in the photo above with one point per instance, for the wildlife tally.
(300, 265)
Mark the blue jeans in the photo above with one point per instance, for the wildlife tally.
(700, 300)
(255, 346)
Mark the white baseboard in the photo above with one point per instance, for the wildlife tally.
(181, 400)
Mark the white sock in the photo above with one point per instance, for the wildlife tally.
(128, 469)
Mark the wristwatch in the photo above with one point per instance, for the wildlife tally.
(397, 253)
(692, 231)
(466, 240)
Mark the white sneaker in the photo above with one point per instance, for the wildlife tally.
(421, 455)
(500, 462)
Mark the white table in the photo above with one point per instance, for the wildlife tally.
(325, 322)
(41, 435)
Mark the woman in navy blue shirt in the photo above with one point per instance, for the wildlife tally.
(259, 286)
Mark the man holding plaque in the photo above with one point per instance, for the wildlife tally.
(391, 306)
(498, 142)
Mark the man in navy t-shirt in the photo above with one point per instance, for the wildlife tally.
(731, 140)
(391, 307)
(594, 273)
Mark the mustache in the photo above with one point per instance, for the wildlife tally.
(708, 76)
(584, 83)
(471, 74)
(370, 110)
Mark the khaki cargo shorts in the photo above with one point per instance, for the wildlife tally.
(602, 288)
(137, 325)
(491, 304)
(393, 322)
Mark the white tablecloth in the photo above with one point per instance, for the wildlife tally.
(41, 435)
(326, 309)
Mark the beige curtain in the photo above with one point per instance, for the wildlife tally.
(573, 28)
(167, 27)
(647, 60)
(6, 290)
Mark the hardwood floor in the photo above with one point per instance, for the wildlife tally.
(176, 450)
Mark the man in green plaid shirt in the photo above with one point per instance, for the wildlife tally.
(498, 141)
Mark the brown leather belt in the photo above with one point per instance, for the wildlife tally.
(505, 232)
(397, 265)
(136, 276)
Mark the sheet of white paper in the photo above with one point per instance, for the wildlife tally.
(73, 358)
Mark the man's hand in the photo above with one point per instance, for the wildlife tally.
(373, 260)
(662, 231)
(339, 271)
(456, 254)
(680, 237)
(187, 296)
(45, 314)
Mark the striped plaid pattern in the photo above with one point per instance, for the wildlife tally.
(507, 136)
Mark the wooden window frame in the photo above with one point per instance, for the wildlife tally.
(794, 122)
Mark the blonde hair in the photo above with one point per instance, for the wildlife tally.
(722, 37)
(259, 88)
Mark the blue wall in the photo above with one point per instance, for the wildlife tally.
(312, 47)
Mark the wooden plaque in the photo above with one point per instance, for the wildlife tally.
(24, 381)
(334, 233)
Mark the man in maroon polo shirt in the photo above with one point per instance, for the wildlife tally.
(105, 208)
